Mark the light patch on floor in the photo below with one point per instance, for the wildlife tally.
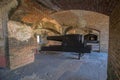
(32, 77)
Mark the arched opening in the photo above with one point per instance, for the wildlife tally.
(91, 38)
(106, 7)
(81, 22)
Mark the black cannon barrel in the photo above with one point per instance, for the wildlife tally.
(68, 37)
(55, 38)
(70, 43)
(73, 38)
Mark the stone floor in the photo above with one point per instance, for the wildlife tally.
(61, 66)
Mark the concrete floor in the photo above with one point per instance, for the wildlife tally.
(61, 66)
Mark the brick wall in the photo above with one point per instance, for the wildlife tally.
(5, 7)
(21, 52)
(21, 44)
(114, 45)
(2, 57)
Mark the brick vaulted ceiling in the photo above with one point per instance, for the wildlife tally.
(102, 6)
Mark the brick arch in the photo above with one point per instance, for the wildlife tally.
(100, 6)
(94, 29)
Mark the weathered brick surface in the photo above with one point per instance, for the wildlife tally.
(21, 52)
(21, 44)
(114, 45)
(2, 61)
(2, 54)
(2, 57)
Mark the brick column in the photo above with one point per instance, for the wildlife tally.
(114, 45)
(4, 46)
